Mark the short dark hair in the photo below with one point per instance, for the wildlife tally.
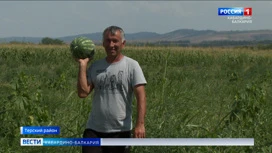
(113, 30)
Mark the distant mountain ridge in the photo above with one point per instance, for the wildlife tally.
(194, 36)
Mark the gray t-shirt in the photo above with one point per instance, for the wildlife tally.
(113, 94)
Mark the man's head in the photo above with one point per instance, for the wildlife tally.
(113, 40)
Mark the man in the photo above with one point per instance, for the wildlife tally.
(115, 80)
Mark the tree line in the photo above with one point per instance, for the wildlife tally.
(264, 44)
(51, 41)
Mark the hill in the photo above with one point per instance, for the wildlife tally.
(191, 35)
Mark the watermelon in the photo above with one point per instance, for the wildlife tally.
(82, 47)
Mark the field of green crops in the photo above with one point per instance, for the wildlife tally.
(191, 93)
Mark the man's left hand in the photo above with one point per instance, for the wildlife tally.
(139, 131)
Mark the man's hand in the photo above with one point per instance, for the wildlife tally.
(83, 62)
(139, 131)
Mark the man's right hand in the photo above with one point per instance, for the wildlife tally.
(83, 62)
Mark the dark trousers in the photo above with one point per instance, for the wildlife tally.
(89, 133)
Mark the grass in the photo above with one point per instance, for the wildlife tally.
(191, 93)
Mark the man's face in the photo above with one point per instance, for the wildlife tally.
(113, 43)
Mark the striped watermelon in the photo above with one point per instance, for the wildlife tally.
(82, 47)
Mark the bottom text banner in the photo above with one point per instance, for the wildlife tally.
(137, 142)
(60, 141)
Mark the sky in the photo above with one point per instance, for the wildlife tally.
(67, 18)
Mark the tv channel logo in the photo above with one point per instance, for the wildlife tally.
(235, 11)
(31, 141)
